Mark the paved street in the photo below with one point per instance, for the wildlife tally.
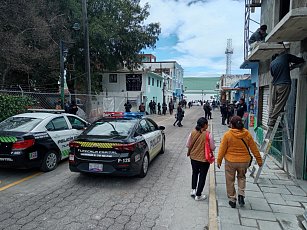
(64, 200)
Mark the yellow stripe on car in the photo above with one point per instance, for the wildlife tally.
(96, 144)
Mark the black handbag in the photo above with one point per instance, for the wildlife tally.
(251, 161)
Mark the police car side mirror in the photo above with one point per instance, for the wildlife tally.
(136, 134)
(161, 127)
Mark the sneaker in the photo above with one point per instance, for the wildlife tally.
(193, 193)
(232, 204)
(241, 200)
(202, 197)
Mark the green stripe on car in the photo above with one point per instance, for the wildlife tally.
(8, 139)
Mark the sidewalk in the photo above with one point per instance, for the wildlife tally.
(276, 202)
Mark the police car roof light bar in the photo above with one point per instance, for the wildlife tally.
(124, 114)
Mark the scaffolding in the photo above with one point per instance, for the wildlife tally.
(250, 6)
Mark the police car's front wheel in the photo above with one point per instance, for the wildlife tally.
(144, 168)
(50, 161)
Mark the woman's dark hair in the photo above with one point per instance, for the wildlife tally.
(201, 122)
(236, 122)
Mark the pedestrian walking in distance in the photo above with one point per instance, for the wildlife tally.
(128, 106)
(235, 148)
(179, 115)
(196, 145)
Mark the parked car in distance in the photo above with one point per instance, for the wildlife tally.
(196, 103)
(38, 139)
(119, 144)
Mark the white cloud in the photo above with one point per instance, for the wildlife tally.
(202, 30)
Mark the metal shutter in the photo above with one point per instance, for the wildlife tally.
(265, 106)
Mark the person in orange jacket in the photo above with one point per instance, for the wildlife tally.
(235, 148)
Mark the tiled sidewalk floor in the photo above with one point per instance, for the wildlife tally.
(276, 202)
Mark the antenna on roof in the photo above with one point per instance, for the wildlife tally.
(228, 52)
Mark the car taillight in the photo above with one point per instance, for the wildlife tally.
(125, 147)
(74, 144)
(20, 145)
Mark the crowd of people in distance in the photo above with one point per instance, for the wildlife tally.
(228, 110)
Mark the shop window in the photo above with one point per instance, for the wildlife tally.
(112, 78)
(133, 82)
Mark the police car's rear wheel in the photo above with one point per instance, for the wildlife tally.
(144, 168)
(163, 146)
(50, 161)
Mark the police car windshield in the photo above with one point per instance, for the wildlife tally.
(19, 124)
(115, 128)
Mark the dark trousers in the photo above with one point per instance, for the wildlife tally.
(178, 119)
(279, 99)
(223, 119)
(199, 174)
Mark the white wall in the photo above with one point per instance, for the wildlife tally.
(193, 97)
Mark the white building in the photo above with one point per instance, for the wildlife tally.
(172, 70)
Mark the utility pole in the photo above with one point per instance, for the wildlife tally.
(87, 56)
(62, 73)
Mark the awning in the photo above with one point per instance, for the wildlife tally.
(233, 89)
(249, 65)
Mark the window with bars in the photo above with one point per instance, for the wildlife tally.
(133, 82)
(112, 78)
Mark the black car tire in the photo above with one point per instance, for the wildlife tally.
(144, 167)
(163, 146)
(50, 161)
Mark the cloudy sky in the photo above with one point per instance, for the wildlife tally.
(195, 33)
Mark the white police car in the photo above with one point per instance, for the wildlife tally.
(120, 144)
(39, 139)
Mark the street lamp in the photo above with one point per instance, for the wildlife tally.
(202, 95)
(63, 53)
(163, 90)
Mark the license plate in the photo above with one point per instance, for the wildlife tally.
(6, 159)
(95, 167)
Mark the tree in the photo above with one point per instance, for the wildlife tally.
(29, 36)
(30, 32)
(118, 33)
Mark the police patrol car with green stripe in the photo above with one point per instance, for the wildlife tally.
(119, 144)
(40, 139)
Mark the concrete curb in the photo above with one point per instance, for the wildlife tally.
(213, 223)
